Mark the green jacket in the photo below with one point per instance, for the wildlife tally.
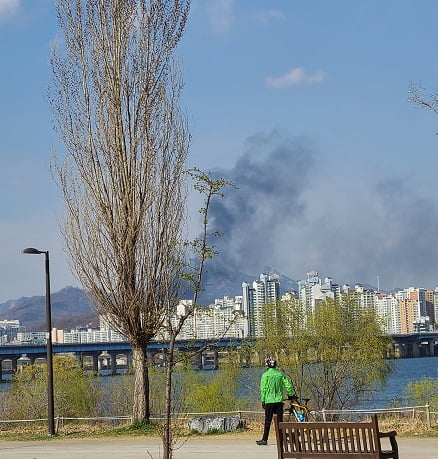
(271, 386)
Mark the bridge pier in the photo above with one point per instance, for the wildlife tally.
(431, 349)
(416, 350)
(95, 357)
(14, 364)
(209, 360)
(150, 358)
(113, 363)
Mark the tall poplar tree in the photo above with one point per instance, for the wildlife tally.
(115, 97)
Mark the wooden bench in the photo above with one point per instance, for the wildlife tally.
(331, 440)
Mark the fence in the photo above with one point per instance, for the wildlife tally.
(423, 413)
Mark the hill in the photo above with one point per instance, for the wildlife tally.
(71, 307)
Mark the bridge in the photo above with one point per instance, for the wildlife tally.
(109, 354)
(414, 345)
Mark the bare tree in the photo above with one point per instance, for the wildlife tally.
(202, 250)
(418, 95)
(115, 98)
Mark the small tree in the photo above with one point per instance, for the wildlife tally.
(214, 393)
(423, 392)
(201, 250)
(335, 355)
(349, 353)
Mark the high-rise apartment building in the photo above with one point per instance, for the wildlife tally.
(263, 291)
(388, 309)
(409, 313)
(365, 298)
(312, 290)
(430, 309)
(435, 307)
(419, 295)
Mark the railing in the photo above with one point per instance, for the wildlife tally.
(430, 417)
(413, 411)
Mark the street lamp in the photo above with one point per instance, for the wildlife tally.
(50, 397)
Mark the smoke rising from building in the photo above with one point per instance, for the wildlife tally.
(272, 176)
(289, 213)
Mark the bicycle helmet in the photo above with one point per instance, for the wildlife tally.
(271, 362)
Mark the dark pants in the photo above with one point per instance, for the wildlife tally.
(270, 410)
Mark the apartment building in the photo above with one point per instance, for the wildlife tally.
(223, 319)
(312, 290)
(366, 298)
(265, 290)
(388, 309)
(92, 335)
(409, 313)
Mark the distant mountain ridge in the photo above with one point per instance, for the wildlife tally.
(71, 307)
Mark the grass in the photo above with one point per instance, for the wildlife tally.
(408, 427)
(78, 430)
(405, 427)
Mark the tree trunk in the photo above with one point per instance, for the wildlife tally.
(167, 436)
(141, 406)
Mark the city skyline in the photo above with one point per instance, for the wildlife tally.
(304, 105)
(250, 278)
(411, 310)
(249, 283)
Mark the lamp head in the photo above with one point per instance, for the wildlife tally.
(33, 251)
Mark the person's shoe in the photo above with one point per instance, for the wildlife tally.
(261, 442)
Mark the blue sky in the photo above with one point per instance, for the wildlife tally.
(304, 104)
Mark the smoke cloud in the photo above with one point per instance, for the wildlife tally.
(295, 214)
(272, 176)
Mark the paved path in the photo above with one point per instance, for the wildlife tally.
(194, 448)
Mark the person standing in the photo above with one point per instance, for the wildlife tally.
(272, 384)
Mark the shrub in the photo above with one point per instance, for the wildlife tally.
(424, 391)
(75, 392)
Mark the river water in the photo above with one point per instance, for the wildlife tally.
(405, 370)
(392, 394)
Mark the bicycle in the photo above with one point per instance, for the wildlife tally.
(299, 411)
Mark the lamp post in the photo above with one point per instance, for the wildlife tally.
(50, 396)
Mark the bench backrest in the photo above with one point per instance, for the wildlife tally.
(358, 440)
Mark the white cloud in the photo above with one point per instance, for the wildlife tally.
(221, 14)
(270, 15)
(294, 77)
(8, 7)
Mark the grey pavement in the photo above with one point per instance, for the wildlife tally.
(193, 448)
